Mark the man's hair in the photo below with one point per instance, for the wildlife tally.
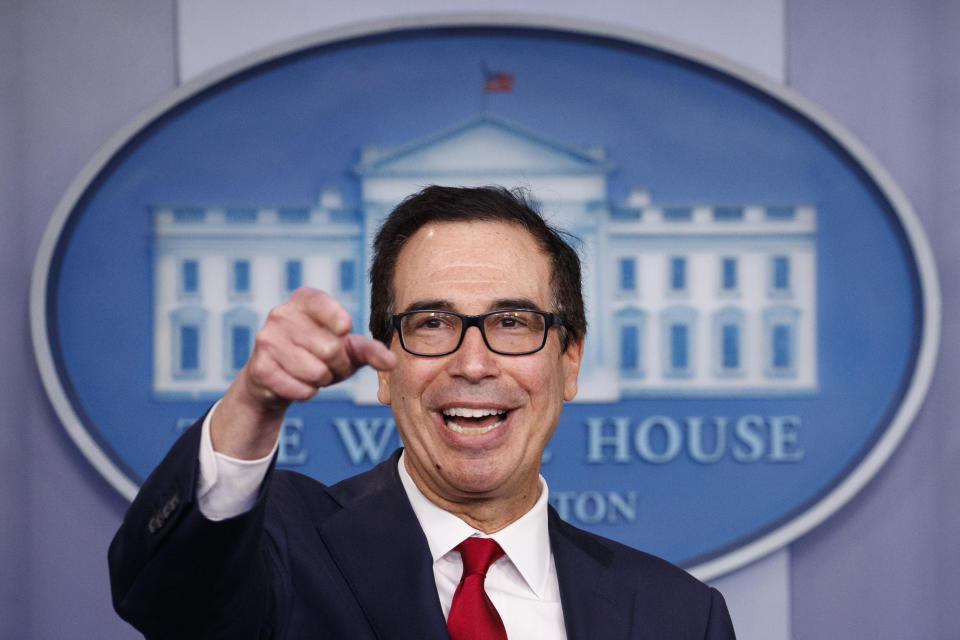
(486, 204)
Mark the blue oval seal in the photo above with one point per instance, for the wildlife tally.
(763, 305)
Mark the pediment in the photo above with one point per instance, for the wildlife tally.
(484, 145)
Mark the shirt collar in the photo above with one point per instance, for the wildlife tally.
(525, 542)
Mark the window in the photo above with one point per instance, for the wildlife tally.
(678, 342)
(625, 215)
(782, 346)
(189, 348)
(293, 216)
(780, 281)
(628, 274)
(241, 277)
(629, 346)
(781, 212)
(728, 332)
(678, 273)
(188, 328)
(189, 277)
(780, 334)
(347, 275)
(679, 346)
(677, 214)
(631, 323)
(239, 328)
(189, 215)
(240, 339)
(241, 215)
(730, 346)
(728, 274)
(293, 275)
(728, 213)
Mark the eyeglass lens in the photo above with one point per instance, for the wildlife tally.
(436, 332)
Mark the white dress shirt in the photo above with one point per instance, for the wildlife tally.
(227, 487)
(522, 584)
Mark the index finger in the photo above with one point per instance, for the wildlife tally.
(323, 309)
(364, 350)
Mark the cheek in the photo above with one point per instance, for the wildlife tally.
(542, 381)
(407, 382)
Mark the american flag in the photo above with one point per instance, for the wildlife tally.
(497, 81)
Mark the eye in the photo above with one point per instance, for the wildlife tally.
(432, 322)
(510, 320)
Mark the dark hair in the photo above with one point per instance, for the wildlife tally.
(461, 204)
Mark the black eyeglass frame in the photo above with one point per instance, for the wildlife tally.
(467, 321)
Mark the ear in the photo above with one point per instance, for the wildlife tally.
(383, 388)
(571, 367)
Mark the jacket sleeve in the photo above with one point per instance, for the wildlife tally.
(175, 574)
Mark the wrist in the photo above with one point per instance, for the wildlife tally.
(245, 430)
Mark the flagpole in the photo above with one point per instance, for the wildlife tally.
(483, 88)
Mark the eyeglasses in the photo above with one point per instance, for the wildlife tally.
(509, 332)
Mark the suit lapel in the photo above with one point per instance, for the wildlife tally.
(379, 547)
(381, 551)
(595, 604)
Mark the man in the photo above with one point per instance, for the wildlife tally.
(478, 325)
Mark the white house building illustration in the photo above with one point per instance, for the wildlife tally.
(682, 298)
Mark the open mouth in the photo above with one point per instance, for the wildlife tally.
(473, 421)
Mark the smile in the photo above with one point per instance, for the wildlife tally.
(473, 421)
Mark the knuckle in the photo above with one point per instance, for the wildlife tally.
(322, 377)
(306, 295)
(262, 340)
(264, 348)
(302, 393)
(328, 350)
(278, 314)
(262, 371)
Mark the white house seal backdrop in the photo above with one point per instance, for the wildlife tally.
(763, 312)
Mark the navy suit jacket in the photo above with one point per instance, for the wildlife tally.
(351, 561)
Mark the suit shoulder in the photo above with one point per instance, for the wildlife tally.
(625, 560)
(293, 492)
(670, 602)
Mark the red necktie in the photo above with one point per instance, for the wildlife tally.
(472, 615)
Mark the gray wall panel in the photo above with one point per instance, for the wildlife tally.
(82, 70)
(14, 349)
(886, 565)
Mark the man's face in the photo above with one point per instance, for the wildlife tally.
(473, 268)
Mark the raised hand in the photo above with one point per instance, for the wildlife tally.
(305, 344)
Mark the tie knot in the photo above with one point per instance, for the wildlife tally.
(478, 554)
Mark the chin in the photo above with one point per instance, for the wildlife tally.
(477, 476)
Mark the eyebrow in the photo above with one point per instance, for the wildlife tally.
(446, 305)
(430, 305)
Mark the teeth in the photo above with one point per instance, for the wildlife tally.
(463, 412)
(472, 430)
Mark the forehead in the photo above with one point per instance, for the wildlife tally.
(471, 265)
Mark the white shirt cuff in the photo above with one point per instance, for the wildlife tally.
(227, 487)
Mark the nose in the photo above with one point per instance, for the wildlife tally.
(473, 360)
